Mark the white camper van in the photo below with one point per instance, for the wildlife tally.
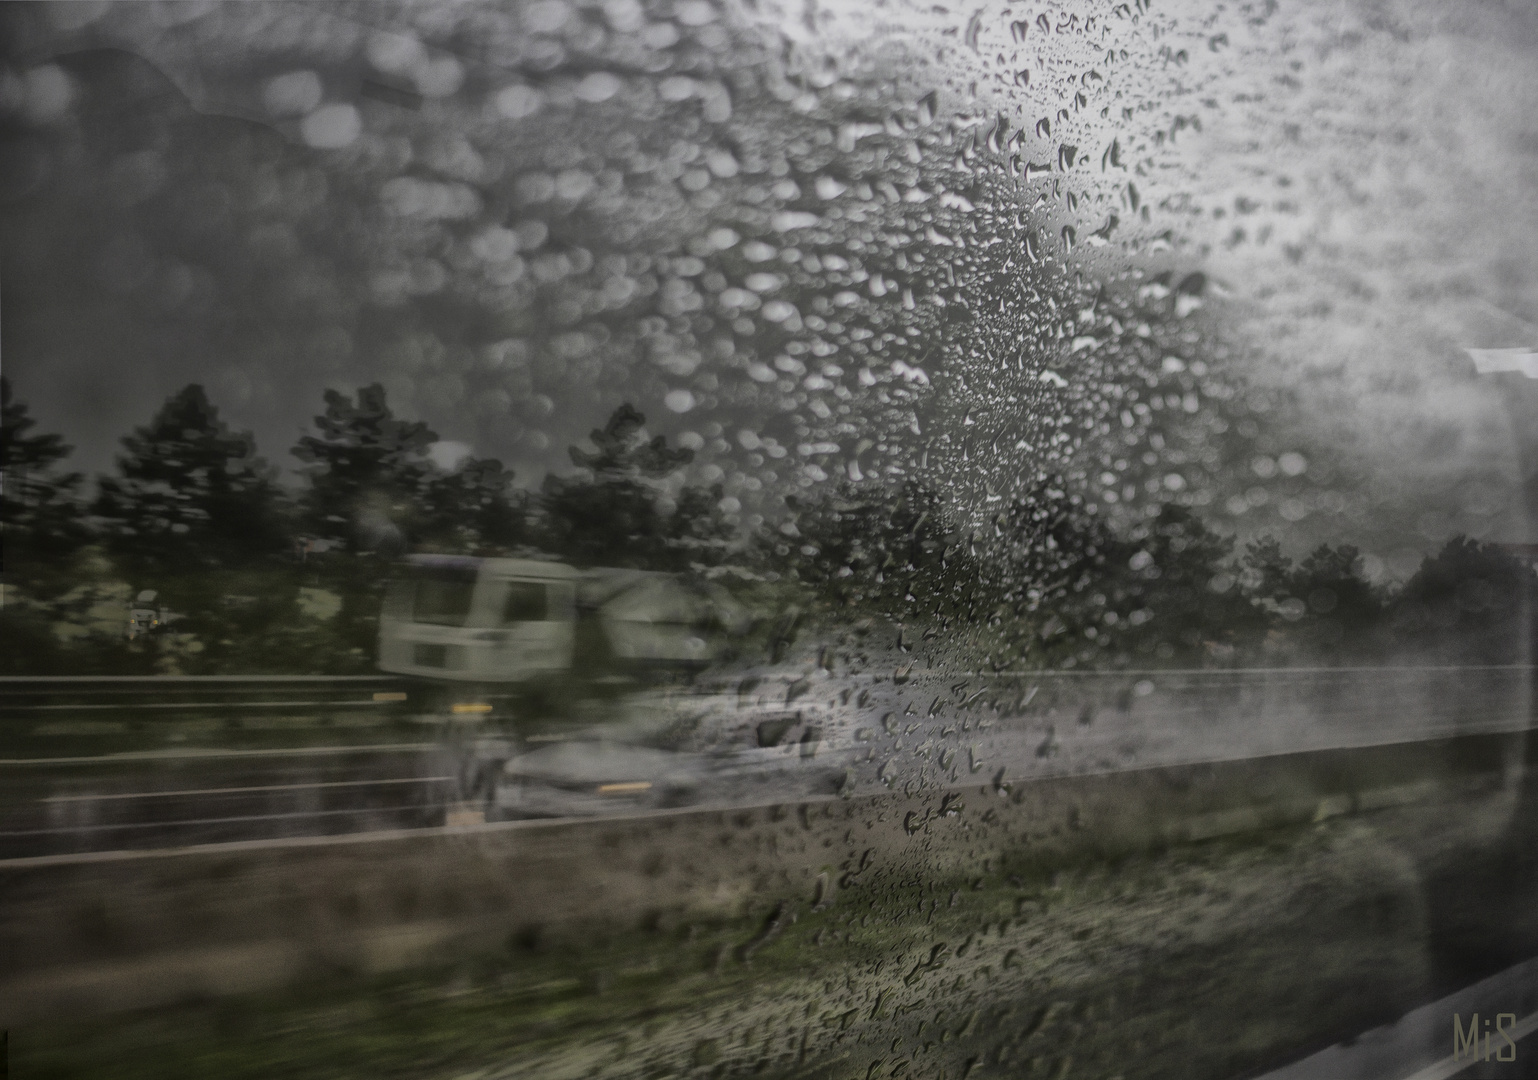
(522, 622)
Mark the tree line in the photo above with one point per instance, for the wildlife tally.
(266, 578)
(193, 512)
(1049, 583)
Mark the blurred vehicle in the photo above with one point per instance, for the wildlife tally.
(523, 623)
(143, 615)
(582, 778)
(146, 615)
(654, 756)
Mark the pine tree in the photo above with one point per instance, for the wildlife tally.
(1179, 571)
(889, 548)
(41, 519)
(697, 533)
(1470, 601)
(611, 514)
(1267, 573)
(368, 474)
(1329, 581)
(194, 514)
(1160, 592)
(622, 449)
(474, 508)
(190, 494)
(42, 530)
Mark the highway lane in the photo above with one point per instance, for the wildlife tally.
(844, 733)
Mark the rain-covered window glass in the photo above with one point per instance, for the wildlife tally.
(526, 602)
(723, 538)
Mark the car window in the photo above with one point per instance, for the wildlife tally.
(1030, 503)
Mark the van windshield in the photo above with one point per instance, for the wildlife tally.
(442, 596)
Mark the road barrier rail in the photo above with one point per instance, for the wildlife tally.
(34, 695)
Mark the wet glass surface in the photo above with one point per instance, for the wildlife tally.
(687, 538)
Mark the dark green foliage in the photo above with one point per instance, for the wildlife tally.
(890, 550)
(616, 511)
(367, 473)
(191, 495)
(53, 577)
(622, 449)
(196, 515)
(1079, 593)
(371, 494)
(40, 512)
(696, 533)
(1469, 601)
(350, 636)
(601, 521)
(1324, 600)
(1178, 573)
(474, 509)
(1267, 572)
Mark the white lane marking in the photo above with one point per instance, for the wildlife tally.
(1452, 1066)
(242, 790)
(197, 754)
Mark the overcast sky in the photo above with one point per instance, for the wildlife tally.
(517, 216)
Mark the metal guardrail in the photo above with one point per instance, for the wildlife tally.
(29, 685)
(32, 694)
(1174, 717)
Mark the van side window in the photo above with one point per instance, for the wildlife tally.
(526, 602)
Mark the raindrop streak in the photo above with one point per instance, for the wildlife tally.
(997, 135)
(974, 28)
(927, 106)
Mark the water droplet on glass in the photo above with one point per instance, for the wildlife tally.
(926, 108)
(331, 127)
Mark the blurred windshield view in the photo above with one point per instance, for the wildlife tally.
(713, 538)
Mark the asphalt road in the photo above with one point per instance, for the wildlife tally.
(293, 767)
